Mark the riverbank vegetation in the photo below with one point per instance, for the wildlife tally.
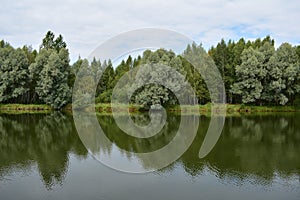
(257, 76)
(106, 108)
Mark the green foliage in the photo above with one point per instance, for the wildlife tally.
(228, 56)
(49, 42)
(253, 73)
(104, 97)
(151, 94)
(284, 72)
(52, 85)
(107, 79)
(14, 76)
(30, 53)
(268, 75)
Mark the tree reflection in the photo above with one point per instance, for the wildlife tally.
(140, 145)
(252, 145)
(43, 139)
(259, 146)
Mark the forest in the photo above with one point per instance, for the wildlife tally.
(254, 73)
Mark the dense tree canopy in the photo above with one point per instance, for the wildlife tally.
(14, 76)
(28, 76)
(52, 85)
(254, 72)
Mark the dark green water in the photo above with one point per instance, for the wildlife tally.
(256, 157)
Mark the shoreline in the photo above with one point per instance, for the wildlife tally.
(106, 108)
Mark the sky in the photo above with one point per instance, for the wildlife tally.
(87, 24)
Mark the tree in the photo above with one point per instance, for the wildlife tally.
(96, 69)
(220, 56)
(225, 56)
(4, 44)
(122, 68)
(35, 70)
(84, 85)
(297, 49)
(197, 82)
(30, 53)
(106, 82)
(49, 42)
(268, 50)
(205, 68)
(137, 61)
(151, 94)
(251, 74)
(52, 86)
(284, 74)
(14, 76)
(73, 71)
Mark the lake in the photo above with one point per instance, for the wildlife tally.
(256, 157)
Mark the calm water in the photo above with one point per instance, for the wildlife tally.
(257, 157)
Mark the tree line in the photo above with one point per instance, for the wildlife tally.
(254, 72)
(28, 76)
(257, 73)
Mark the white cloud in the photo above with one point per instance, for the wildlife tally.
(86, 25)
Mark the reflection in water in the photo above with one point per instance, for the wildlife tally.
(43, 139)
(139, 145)
(260, 146)
(255, 148)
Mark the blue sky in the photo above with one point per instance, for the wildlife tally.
(86, 24)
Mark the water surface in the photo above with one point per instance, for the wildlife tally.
(257, 157)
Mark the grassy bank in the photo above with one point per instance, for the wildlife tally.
(24, 108)
(234, 108)
(203, 109)
(106, 108)
(256, 109)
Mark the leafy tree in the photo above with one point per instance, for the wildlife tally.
(251, 74)
(14, 76)
(151, 94)
(52, 86)
(268, 50)
(30, 53)
(154, 93)
(35, 70)
(297, 49)
(284, 72)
